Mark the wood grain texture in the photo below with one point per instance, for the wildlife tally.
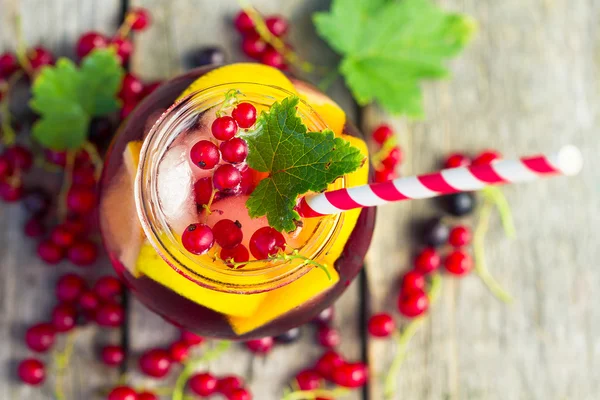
(528, 83)
(179, 28)
(26, 283)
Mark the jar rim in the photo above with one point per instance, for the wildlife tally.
(157, 231)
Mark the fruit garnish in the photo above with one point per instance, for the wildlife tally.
(297, 161)
(392, 46)
(67, 98)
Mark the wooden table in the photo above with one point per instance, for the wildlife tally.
(528, 83)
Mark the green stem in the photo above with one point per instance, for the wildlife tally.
(404, 338)
(9, 135)
(384, 151)
(231, 98)
(481, 268)
(314, 394)
(192, 365)
(95, 157)
(22, 49)
(265, 34)
(66, 184)
(328, 80)
(125, 27)
(497, 197)
(61, 361)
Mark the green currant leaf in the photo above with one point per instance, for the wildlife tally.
(297, 161)
(67, 97)
(388, 47)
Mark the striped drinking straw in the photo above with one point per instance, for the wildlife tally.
(567, 161)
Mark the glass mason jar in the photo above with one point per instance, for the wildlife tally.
(144, 207)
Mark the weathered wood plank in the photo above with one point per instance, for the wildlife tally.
(27, 288)
(180, 27)
(527, 84)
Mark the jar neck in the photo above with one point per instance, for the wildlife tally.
(204, 270)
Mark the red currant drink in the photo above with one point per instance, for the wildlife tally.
(175, 219)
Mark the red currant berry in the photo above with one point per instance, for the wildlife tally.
(6, 167)
(308, 380)
(381, 325)
(234, 150)
(229, 384)
(226, 177)
(34, 228)
(253, 46)
(197, 238)
(70, 287)
(81, 200)
(458, 263)
(155, 363)
(240, 394)
(62, 237)
(131, 88)
(205, 154)
(412, 303)
(238, 254)
(8, 65)
(203, 189)
(110, 315)
(243, 23)
(413, 280)
(40, 337)
(244, 114)
(203, 384)
(191, 338)
(487, 157)
(108, 288)
(49, 252)
(460, 236)
(89, 301)
(277, 25)
(382, 133)
(76, 226)
(266, 242)
(20, 157)
(90, 41)
(83, 253)
(112, 355)
(224, 128)
(56, 157)
(456, 160)
(260, 346)
(122, 393)
(140, 19)
(124, 49)
(393, 158)
(179, 351)
(328, 362)
(228, 234)
(351, 375)
(427, 260)
(147, 396)
(11, 193)
(384, 175)
(328, 337)
(324, 317)
(85, 176)
(32, 371)
(39, 57)
(64, 317)
(273, 58)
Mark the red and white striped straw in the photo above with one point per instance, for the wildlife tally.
(567, 161)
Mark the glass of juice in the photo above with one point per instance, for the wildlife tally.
(153, 195)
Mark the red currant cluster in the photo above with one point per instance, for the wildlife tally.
(132, 88)
(37, 57)
(77, 305)
(388, 156)
(332, 367)
(232, 387)
(231, 176)
(255, 46)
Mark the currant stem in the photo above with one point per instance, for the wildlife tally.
(9, 135)
(497, 197)
(125, 27)
(192, 365)
(384, 151)
(66, 184)
(95, 157)
(231, 98)
(61, 361)
(313, 394)
(403, 339)
(22, 49)
(325, 83)
(278, 44)
(481, 268)
(209, 205)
